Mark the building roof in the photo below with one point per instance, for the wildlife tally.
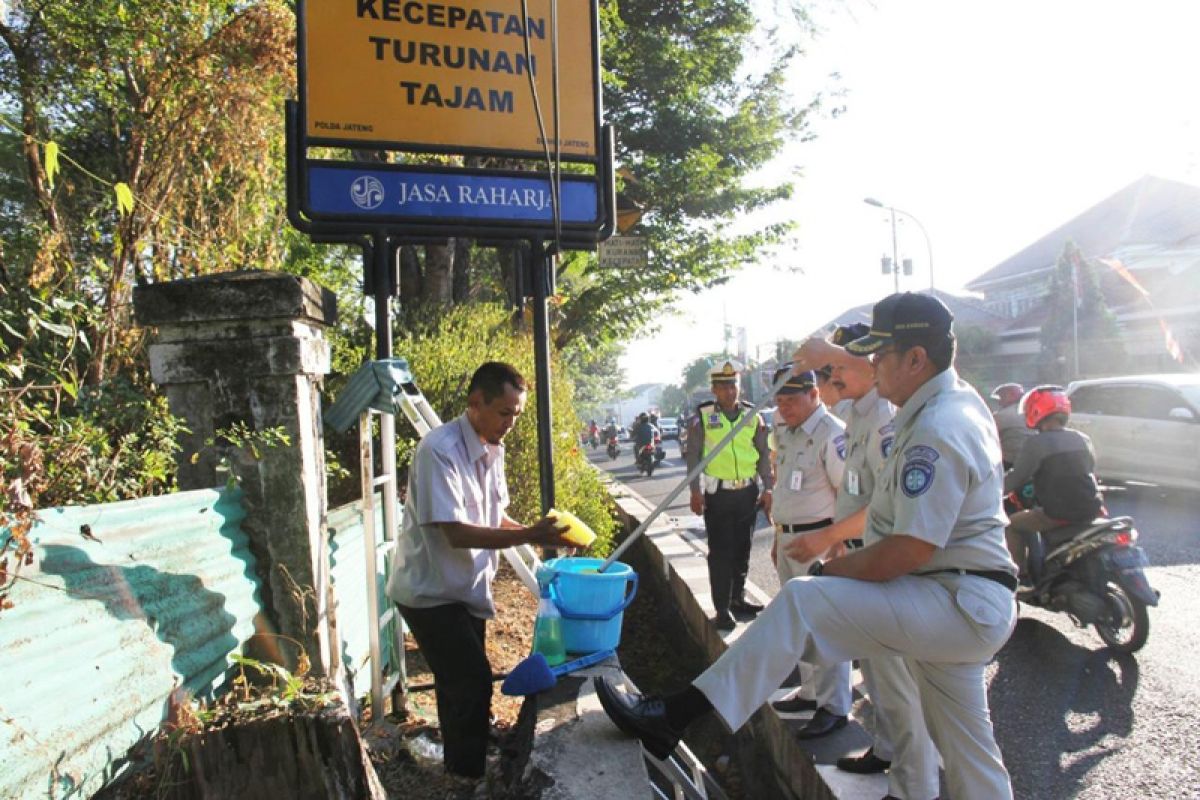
(1148, 211)
(966, 311)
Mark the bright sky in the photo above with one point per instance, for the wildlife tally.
(991, 123)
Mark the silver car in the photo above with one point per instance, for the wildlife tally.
(1145, 428)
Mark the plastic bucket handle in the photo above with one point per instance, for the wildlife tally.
(633, 584)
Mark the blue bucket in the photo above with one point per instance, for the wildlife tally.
(592, 605)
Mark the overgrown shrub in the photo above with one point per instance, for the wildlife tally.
(444, 354)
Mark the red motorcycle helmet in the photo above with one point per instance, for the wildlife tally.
(1044, 401)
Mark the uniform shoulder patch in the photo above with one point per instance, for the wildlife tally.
(885, 446)
(921, 452)
(890, 427)
(916, 476)
(839, 442)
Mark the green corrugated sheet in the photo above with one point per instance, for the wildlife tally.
(106, 627)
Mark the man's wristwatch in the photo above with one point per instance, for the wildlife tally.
(817, 568)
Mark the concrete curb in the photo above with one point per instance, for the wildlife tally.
(681, 557)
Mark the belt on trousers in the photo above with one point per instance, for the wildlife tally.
(804, 526)
(1005, 579)
(741, 483)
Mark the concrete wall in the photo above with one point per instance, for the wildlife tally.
(249, 348)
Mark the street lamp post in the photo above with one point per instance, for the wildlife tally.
(871, 201)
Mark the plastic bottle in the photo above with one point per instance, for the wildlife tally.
(547, 630)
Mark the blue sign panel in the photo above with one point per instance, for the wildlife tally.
(414, 194)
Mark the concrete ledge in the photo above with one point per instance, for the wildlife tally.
(227, 296)
(575, 752)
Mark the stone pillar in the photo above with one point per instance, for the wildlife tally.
(248, 347)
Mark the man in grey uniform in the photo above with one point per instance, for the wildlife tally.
(911, 759)
(810, 452)
(933, 585)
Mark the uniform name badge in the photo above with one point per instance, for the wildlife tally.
(852, 481)
(797, 480)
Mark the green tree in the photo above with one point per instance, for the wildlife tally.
(139, 141)
(694, 120)
(1075, 299)
(162, 119)
(695, 374)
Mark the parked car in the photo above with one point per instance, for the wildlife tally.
(1144, 427)
(668, 427)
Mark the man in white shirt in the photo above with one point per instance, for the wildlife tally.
(454, 524)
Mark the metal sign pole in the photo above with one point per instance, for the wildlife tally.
(542, 263)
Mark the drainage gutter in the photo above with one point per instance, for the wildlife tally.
(683, 570)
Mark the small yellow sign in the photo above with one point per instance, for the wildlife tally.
(447, 75)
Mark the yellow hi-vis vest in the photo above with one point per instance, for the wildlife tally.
(739, 459)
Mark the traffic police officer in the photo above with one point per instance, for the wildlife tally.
(727, 493)
(810, 457)
(934, 583)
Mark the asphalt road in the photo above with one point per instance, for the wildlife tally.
(1073, 720)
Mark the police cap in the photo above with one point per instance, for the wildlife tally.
(725, 372)
(804, 382)
(844, 334)
(904, 318)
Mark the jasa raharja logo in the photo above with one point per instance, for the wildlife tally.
(366, 192)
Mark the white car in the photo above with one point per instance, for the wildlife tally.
(1145, 428)
(668, 427)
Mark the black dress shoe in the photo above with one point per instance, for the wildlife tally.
(724, 621)
(642, 717)
(794, 705)
(821, 724)
(744, 606)
(866, 764)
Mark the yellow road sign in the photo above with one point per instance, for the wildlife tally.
(443, 76)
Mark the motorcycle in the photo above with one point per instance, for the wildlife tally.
(646, 460)
(613, 448)
(659, 452)
(1095, 573)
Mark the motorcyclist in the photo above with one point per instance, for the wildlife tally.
(1010, 422)
(1061, 462)
(643, 432)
